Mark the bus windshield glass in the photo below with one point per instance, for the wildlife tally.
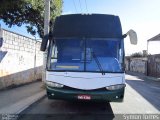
(88, 55)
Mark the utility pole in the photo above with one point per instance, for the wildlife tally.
(46, 24)
(35, 42)
(46, 36)
(46, 17)
(147, 46)
(0, 37)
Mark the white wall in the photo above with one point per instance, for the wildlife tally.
(154, 47)
(17, 59)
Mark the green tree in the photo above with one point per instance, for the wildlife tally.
(137, 54)
(29, 13)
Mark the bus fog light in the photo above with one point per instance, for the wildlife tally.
(56, 85)
(115, 87)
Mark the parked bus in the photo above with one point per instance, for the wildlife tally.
(85, 58)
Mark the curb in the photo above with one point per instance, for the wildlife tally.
(152, 78)
(20, 85)
(143, 76)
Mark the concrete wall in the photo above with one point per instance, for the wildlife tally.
(138, 65)
(20, 59)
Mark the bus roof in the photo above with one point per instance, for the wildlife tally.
(87, 26)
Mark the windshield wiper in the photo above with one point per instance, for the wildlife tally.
(98, 63)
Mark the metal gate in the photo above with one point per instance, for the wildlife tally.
(154, 65)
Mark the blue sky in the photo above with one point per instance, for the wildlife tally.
(141, 15)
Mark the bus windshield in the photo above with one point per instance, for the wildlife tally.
(88, 55)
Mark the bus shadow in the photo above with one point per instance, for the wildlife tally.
(86, 111)
(62, 110)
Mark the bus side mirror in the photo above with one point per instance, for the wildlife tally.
(44, 43)
(1, 42)
(132, 35)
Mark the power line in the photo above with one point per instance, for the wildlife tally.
(80, 5)
(86, 6)
(74, 5)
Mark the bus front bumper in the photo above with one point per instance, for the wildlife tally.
(73, 95)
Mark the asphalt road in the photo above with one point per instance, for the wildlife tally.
(141, 97)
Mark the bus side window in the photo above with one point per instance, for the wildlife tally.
(88, 55)
(54, 54)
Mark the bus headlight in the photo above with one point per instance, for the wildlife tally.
(53, 84)
(115, 87)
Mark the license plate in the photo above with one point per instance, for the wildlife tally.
(84, 97)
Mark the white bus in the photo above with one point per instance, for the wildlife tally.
(85, 58)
